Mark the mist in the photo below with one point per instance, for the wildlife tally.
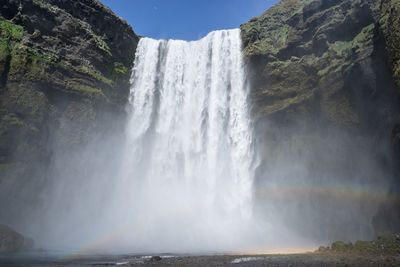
(178, 176)
(323, 182)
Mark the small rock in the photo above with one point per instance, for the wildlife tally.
(36, 34)
(155, 258)
(12, 241)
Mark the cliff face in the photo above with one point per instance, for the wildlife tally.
(325, 75)
(64, 72)
(390, 22)
(323, 56)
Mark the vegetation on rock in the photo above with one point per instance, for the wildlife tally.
(384, 245)
(57, 69)
(329, 64)
(390, 24)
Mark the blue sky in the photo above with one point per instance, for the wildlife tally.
(186, 19)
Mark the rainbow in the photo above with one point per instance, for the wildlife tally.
(345, 192)
(273, 192)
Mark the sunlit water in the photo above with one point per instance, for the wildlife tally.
(183, 181)
(189, 151)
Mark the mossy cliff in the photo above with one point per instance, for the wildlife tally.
(390, 22)
(64, 70)
(322, 67)
(322, 52)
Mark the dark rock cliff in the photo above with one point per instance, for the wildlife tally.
(64, 71)
(325, 79)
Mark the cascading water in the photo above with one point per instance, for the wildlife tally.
(183, 180)
(189, 152)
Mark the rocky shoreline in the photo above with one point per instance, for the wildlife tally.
(384, 251)
(294, 260)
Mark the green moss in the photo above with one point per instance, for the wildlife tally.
(286, 103)
(397, 74)
(10, 33)
(364, 246)
(364, 38)
(10, 30)
(4, 52)
(4, 48)
(389, 23)
(341, 48)
(287, 8)
(47, 6)
(31, 103)
(30, 62)
(120, 69)
(340, 52)
(340, 246)
(13, 121)
(344, 49)
(94, 74)
(393, 38)
(383, 245)
(100, 43)
(273, 43)
(271, 28)
(279, 66)
(86, 90)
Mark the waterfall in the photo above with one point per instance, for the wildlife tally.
(179, 176)
(189, 141)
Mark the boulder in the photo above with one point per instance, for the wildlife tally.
(12, 241)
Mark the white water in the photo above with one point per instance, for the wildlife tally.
(189, 152)
(183, 180)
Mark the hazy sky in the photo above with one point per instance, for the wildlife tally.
(186, 19)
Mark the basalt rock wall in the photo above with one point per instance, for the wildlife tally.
(325, 88)
(64, 78)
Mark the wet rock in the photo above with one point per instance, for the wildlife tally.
(323, 249)
(330, 64)
(340, 246)
(322, 59)
(11, 241)
(155, 258)
(388, 244)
